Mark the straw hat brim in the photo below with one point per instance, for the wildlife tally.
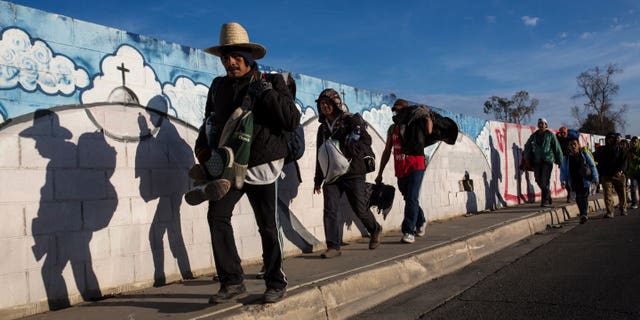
(257, 50)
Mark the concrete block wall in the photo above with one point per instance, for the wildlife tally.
(96, 186)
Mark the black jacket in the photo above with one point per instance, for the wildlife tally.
(274, 112)
(611, 159)
(352, 150)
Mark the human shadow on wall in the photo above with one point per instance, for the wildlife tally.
(529, 195)
(162, 162)
(76, 200)
(291, 226)
(493, 195)
(472, 200)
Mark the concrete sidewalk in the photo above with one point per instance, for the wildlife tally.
(344, 286)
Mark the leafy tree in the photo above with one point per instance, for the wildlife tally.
(598, 114)
(518, 109)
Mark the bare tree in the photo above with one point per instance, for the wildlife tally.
(598, 114)
(518, 109)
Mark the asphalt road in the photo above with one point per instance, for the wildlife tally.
(589, 271)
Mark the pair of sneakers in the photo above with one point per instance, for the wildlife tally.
(419, 232)
(231, 292)
(205, 189)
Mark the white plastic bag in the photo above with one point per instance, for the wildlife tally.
(332, 162)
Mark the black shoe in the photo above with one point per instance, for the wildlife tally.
(583, 219)
(274, 295)
(375, 239)
(228, 293)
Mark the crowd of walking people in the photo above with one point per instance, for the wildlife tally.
(244, 140)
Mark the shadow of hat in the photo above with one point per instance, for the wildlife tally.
(46, 123)
(233, 34)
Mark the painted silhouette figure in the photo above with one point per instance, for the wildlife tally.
(76, 200)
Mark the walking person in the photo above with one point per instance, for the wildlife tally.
(612, 161)
(350, 132)
(274, 114)
(543, 150)
(409, 170)
(564, 139)
(577, 172)
(633, 170)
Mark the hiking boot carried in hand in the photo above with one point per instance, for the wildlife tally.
(273, 295)
(228, 293)
(198, 175)
(374, 242)
(331, 253)
(212, 191)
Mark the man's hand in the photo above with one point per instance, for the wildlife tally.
(378, 179)
(258, 88)
(317, 190)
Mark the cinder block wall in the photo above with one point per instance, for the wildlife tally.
(91, 194)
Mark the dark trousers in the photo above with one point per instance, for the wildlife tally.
(354, 188)
(263, 202)
(409, 186)
(582, 199)
(542, 173)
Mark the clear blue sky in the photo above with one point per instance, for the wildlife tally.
(451, 54)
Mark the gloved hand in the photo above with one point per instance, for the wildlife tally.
(258, 88)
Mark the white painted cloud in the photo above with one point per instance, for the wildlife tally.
(32, 65)
(140, 78)
(563, 35)
(490, 19)
(379, 119)
(188, 99)
(530, 21)
(307, 114)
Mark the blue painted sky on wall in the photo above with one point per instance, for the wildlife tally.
(453, 54)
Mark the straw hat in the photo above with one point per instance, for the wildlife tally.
(233, 34)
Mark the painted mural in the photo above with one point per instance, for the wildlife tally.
(69, 82)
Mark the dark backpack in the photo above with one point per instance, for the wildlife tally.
(296, 146)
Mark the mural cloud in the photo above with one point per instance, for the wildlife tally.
(33, 65)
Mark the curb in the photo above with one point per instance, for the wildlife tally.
(367, 287)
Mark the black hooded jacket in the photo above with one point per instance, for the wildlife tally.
(355, 151)
(274, 113)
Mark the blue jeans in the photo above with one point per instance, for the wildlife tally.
(410, 188)
(634, 191)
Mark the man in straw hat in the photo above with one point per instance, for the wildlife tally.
(274, 113)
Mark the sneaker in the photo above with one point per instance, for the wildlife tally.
(608, 216)
(408, 238)
(228, 293)
(197, 173)
(421, 231)
(375, 239)
(331, 253)
(624, 212)
(213, 191)
(272, 295)
(634, 206)
(583, 219)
